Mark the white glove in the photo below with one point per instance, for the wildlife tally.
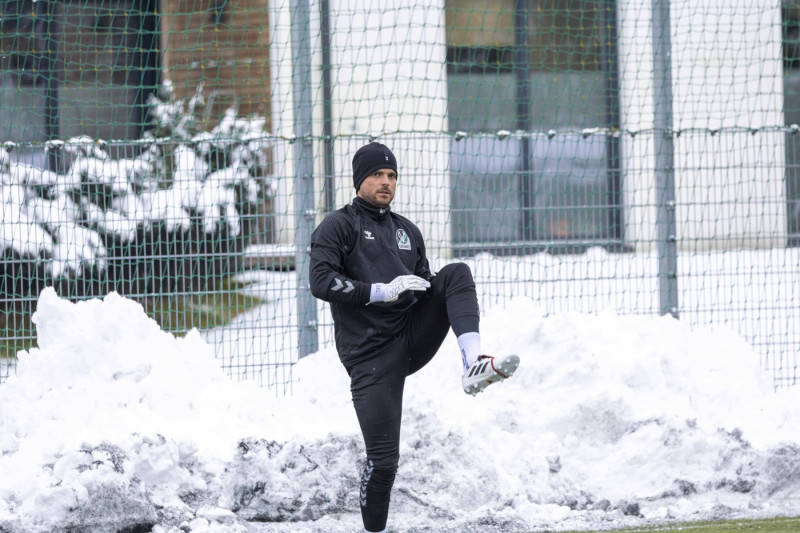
(388, 292)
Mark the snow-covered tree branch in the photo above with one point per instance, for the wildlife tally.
(183, 184)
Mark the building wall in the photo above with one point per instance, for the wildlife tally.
(727, 76)
(726, 70)
(222, 45)
(726, 73)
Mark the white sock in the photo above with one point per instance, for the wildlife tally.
(470, 345)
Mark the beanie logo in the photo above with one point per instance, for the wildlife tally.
(403, 242)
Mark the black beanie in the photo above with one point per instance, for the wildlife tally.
(369, 158)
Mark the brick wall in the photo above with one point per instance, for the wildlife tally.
(223, 44)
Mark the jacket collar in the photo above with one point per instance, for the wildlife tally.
(375, 212)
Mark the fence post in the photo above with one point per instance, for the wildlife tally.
(305, 214)
(522, 77)
(327, 104)
(664, 159)
(47, 29)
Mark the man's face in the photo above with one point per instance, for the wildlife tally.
(378, 188)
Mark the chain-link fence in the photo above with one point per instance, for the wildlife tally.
(591, 154)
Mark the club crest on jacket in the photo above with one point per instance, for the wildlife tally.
(402, 240)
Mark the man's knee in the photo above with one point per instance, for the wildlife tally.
(455, 276)
(456, 270)
(383, 478)
(377, 480)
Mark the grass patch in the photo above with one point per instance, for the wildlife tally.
(17, 333)
(180, 313)
(766, 525)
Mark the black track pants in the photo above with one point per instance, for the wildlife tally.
(377, 381)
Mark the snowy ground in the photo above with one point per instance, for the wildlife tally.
(611, 420)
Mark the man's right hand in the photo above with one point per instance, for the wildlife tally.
(388, 292)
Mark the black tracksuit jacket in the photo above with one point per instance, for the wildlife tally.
(351, 249)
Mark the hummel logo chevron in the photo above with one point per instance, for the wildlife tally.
(337, 285)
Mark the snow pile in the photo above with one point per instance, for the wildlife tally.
(112, 423)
